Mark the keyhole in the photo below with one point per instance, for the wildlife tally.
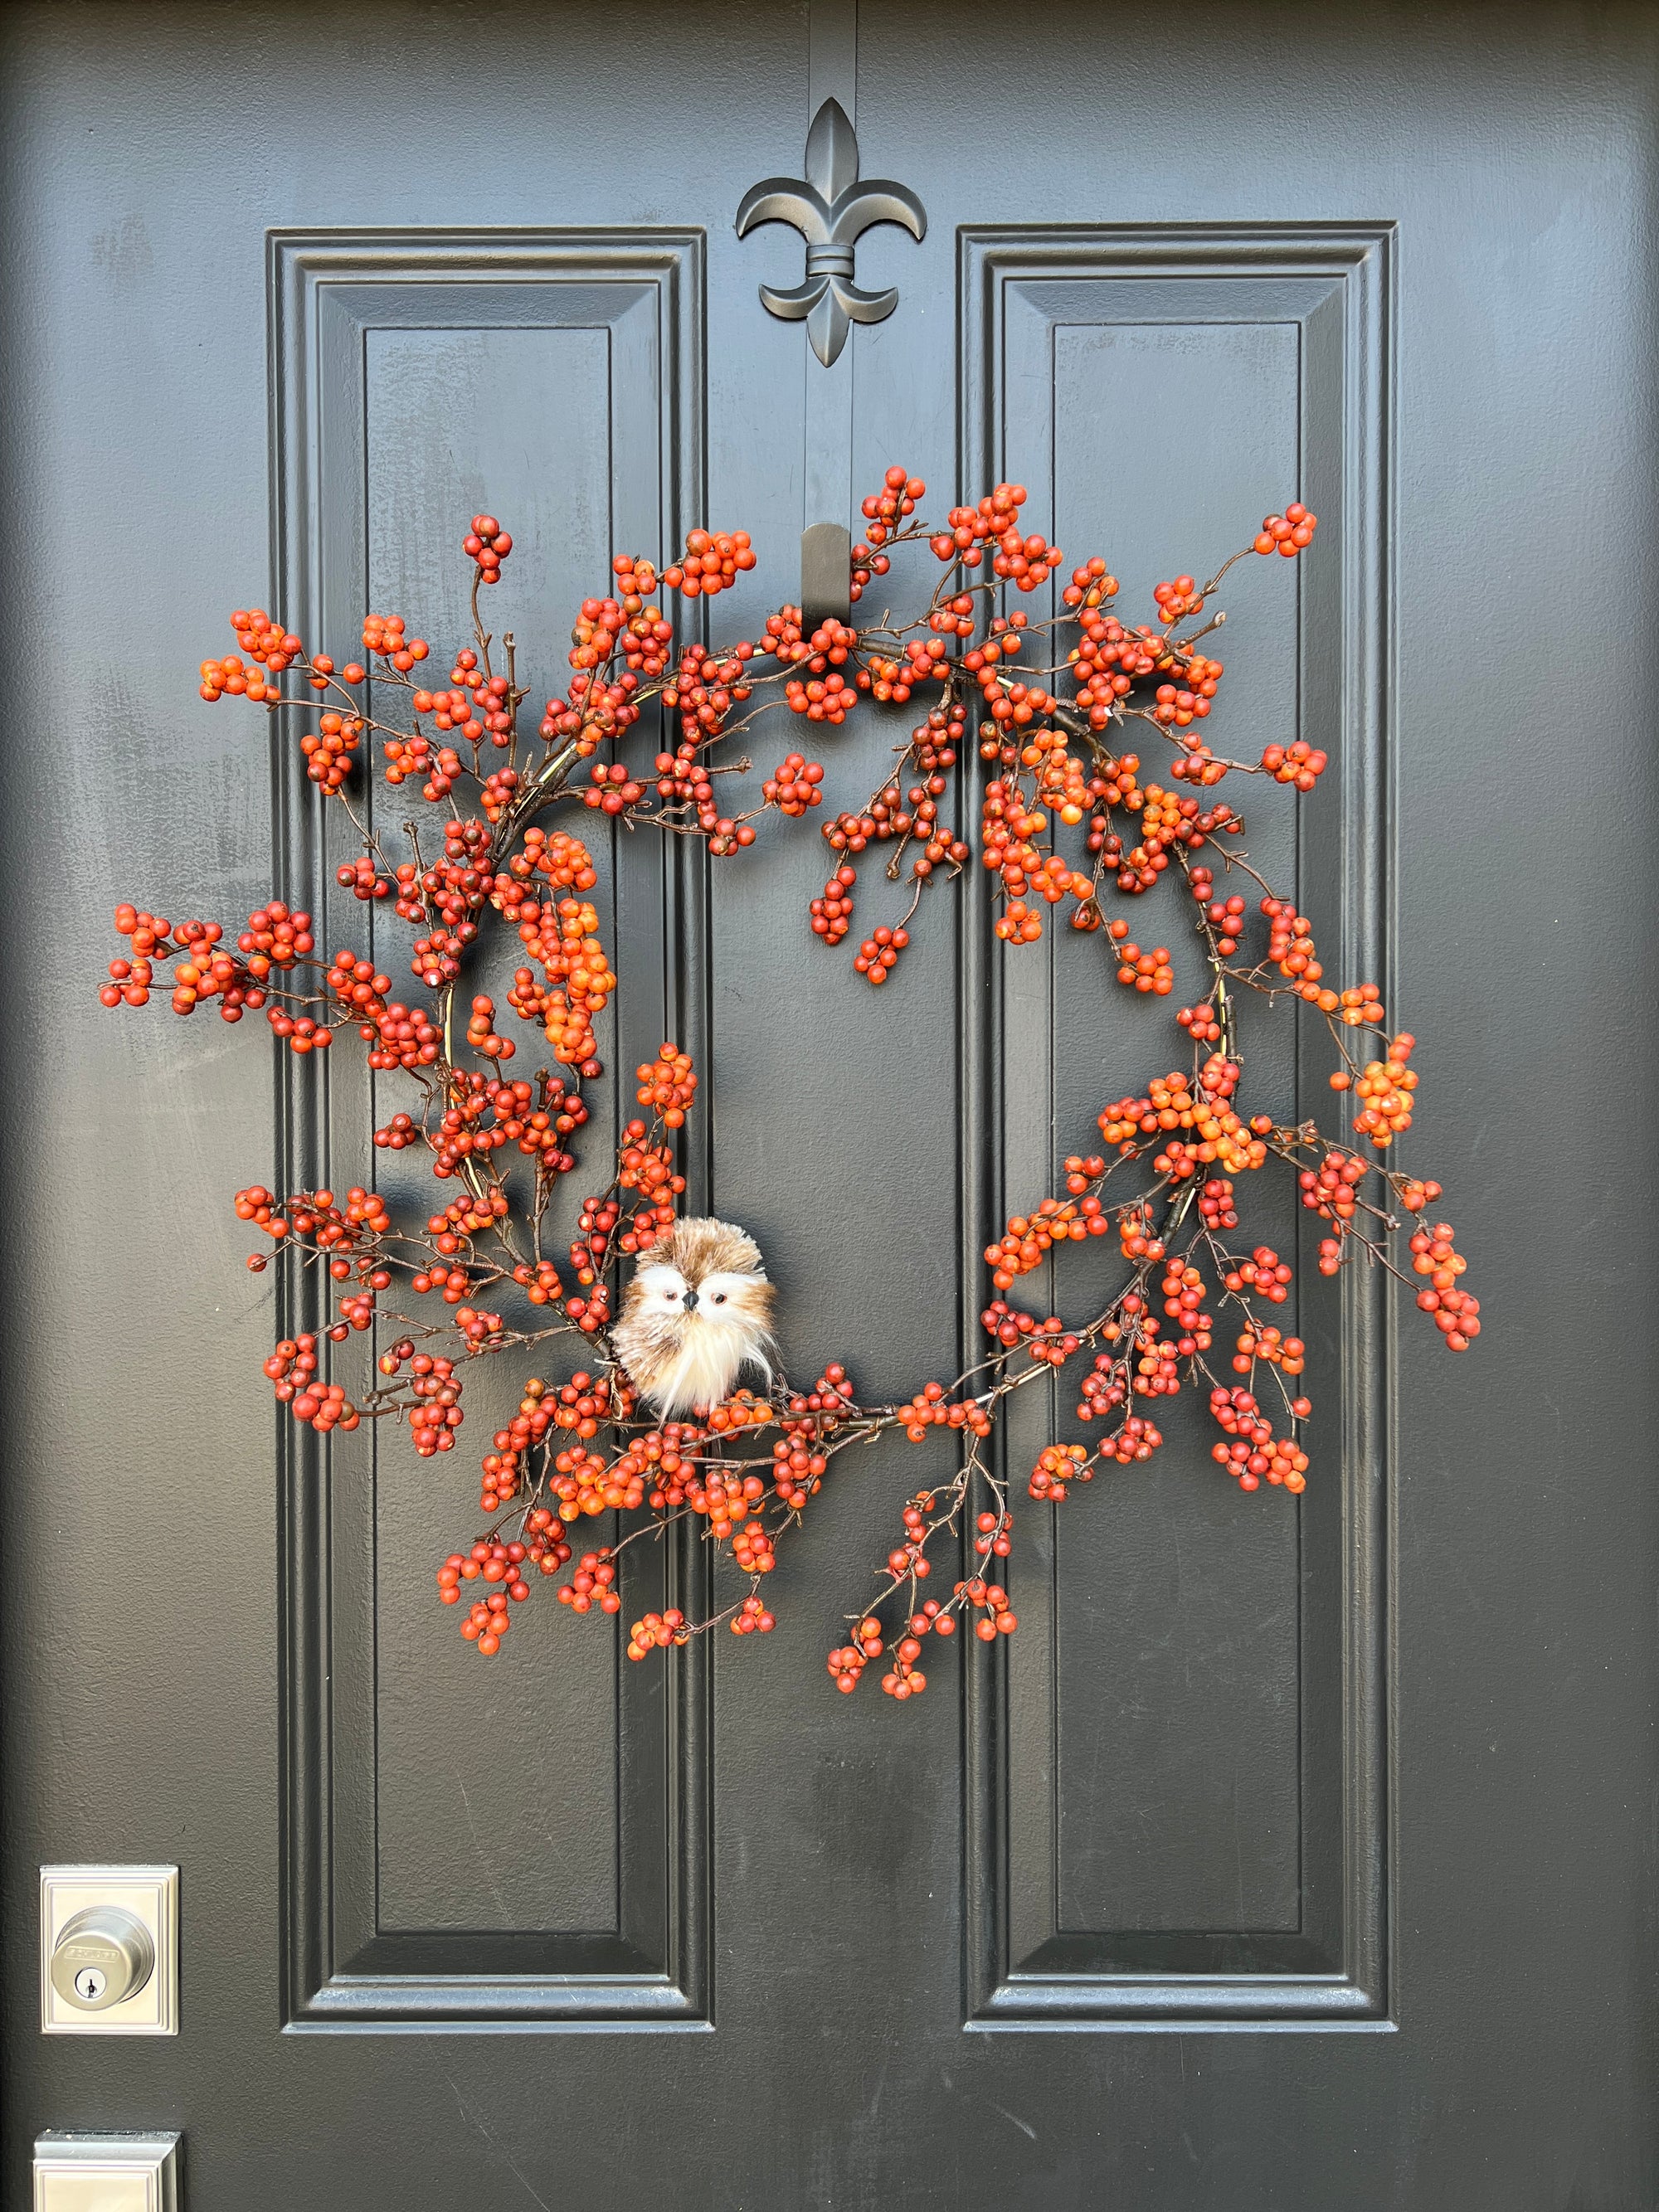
(89, 1984)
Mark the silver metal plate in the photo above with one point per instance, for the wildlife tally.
(149, 1894)
(107, 2173)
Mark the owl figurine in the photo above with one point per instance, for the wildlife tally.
(697, 1312)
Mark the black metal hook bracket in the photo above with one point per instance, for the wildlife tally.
(826, 575)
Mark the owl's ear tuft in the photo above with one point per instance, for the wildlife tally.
(704, 1246)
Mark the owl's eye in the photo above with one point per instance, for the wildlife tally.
(671, 1296)
(719, 1297)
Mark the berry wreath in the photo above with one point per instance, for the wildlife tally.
(651, 1429)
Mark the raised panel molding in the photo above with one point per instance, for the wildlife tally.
(1331, 287)
(643, 291)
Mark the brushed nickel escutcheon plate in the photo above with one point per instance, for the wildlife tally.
(109, 1950)
(107, 2173)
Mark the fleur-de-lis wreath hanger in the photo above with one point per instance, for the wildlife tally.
(832, 210)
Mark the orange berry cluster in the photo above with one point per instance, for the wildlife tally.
(1090, 585)
(1287, 533)
(1107, 662)
(656, 1630)
(885, 509)
(1385, 1087)
(606, 626)
(990, 1600)
(1177, 600)
(1009, 822)
(498, 1563)
(321, 1406)
(1051, 1343)
(1147, 971)
(432, 1422)
(1455, 1313)
(1189, 699)
(1061, 782)
(667, 1086)
(504, 1465)
(488, 544)
(829, 698)
(481, 1032)
(594, 712)
(1290, 949)
(832, 914)
(878, 956)
(830, 1396)
(586, 1485)
(653, 1465)
(410, 758)
(1057, 1466)
(485, 1563)
(725, 1500)
(593, 1584)
(565, 861)
(794, 785)
(1225, 916)
(267, 644)
(712, 562)
(1286, 1353)
(743, 1410)
(1329, 1189)
(615, 788)
(1165, 818)
(1018, 559)
(232, 675)
(1264, 1273)
(1138, 1439)
(578, 981)
(1299, 764)
(587, 1402)
(885, 817)
(1215, 1204)
(1255, 1451)
(316, 1214)
(905, 1679)
(384, 639)
(847, 1664)
(1029, 1238)
(1223, 1137)
(1172, 1103)
(1018, 925)
(1183, 1302)
(1201, 1023)
(933, 1408)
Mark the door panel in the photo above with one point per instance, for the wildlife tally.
(518, 1856)
(1194, 1673)
(1315, 1838)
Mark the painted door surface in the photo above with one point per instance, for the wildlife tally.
(1296, 1854)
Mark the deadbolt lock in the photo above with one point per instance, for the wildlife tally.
(103, 1957)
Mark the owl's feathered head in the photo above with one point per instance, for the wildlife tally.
(698, 1310)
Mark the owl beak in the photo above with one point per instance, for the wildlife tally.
(691, 1302)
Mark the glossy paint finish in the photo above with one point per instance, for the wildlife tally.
(1292, 1858)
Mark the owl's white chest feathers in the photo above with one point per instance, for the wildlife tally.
(702, 1369)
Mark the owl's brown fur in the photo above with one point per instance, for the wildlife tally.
(698, 1311)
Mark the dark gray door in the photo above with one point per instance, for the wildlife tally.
(1296, 1854)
